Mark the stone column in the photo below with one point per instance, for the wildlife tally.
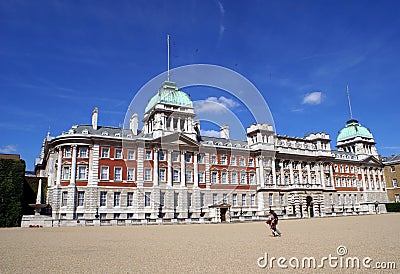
(322, 175)
(183, 177)
(369, 179)
(363, 179)
(374, 179)
(170, 171)
(195, 170)
(155, 169)
(171, 125)
(282, 173)
(73, 166)
(308, 173)
(261, 171)
(300, 173)
(331, 174)
(90, 167)
(273, 172)
(59, 166)
(291, 173)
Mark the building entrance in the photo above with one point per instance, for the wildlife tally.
(310, 206)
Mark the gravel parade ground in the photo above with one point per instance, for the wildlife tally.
(205, 248)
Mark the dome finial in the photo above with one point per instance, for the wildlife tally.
(348, 99)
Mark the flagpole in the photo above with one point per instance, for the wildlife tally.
(348, 99)
(168, 74)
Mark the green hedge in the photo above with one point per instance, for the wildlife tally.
(393, 207)
(12, 174)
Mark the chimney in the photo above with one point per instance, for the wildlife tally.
(224, 132)
(133, 125)
(95, 116)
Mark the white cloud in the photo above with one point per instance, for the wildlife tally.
(8, 149)
(214, 105)
(221, 8)
(209, 133)
(313, 98)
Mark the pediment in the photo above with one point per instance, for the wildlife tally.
(177, 139)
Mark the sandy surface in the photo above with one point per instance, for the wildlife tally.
(213, 248)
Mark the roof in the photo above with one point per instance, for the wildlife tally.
(353, 129)
(169, 94)
(391, 159)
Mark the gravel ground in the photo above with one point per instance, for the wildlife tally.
(212, 248)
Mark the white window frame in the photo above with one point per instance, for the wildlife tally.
(147, 199)
(129, 199)
(82, 176)
(130, 175)
(252, 178)
(67, 152)
(81, 198)
(234, 199)
(188, 176)
(161, 176)
(175, 175)
(105, 152)
(201, 176)
(148, 155)
(147, 174)
(66, 175)
(175, 156)
(224, 177)
(214, 177)
(244, 200)
(117, 199)
(107, 174)
(234, 178)
(215, 198)
(131, 155)
(103, 198)
(119, 173)
(233, 161)
(213, 159)
(83, 152)
(224, 198)
(394, 183)
(118, 153)
(224, 160)
(253, 199)
(64, 198)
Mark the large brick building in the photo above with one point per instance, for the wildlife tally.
(392, 177)
(167, 172)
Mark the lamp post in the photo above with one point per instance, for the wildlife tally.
(97, 213)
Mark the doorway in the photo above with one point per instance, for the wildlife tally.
(223, 214)
(310, 206)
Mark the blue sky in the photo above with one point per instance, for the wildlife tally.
(60, 59)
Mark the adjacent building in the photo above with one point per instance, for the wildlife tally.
(392, 177)
(167, 172)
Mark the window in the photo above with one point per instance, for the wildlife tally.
(251, 162)
(148, 155)
(81, 198)
(243, 178)
(176, 199)
(281, 199)
(129, 216)
(225, 198)
(117, 215)
(394, 181)
(175, 156)
(223, 178)
(161, 155)
(129, 200)
(162, 198)
(189, 199)
(104, 173)
(234, 199)
(83, 152)
(162, 175)
(67, 152)
(355, 199)
(82, 174)
(331, 199)
(243, 199)
(147, 198)
(188, 157)
(103, 215)
(131, 174)
(103, 198)
(252, 179)
(393, 169)
(188, 176)
(336, 169)
(79, 215)
(214, 176)
(234, 178)
(223, 160)
(131, 155)
(117, 196)
(338, 199)
(253, 199)
(200, 158)
(271, 199)
(397, 198)
(176, 175)
(65, 173)
(201, 199)
(344, 199)
(118, 153)
(64, 198)
(201, 177)
(241, 161)
(105, 152)
(213, 159)
(215, 198)
(118, 173)
(233, 161)
(147, 174)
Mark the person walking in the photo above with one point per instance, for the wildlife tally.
(273, 217)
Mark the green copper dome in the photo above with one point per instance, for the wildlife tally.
(353, 129)
(169, 94)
